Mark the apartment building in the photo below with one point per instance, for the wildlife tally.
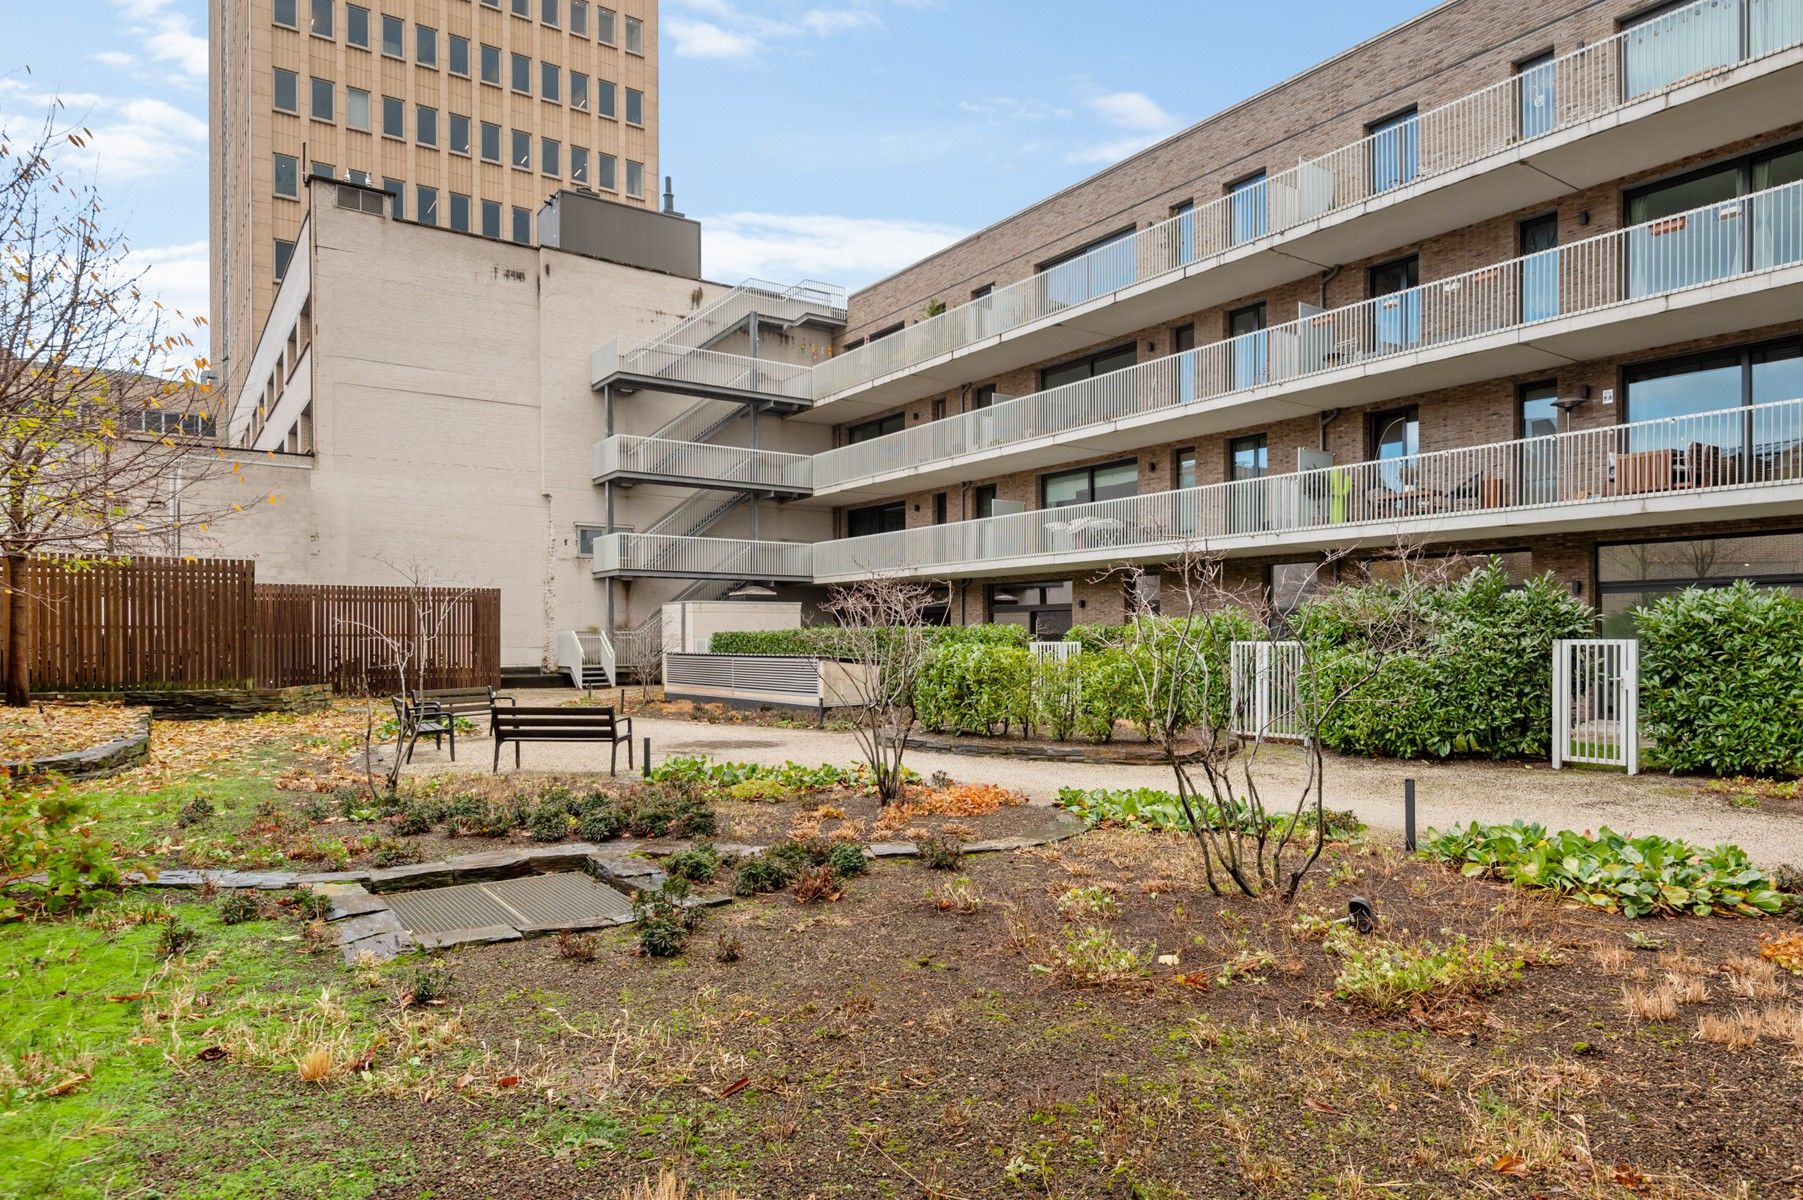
(1512, 280)
(468, 113)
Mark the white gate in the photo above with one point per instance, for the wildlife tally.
(1596, 702)
(1266, 678)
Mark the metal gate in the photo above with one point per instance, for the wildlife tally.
(1596, 702)
(1266, 678)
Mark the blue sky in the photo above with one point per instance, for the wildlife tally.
(838, 142)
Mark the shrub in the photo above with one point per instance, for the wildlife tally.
(817, 884)
(49, 832)
(412, 820)
(1721, 680)
(847, 859)
(310, 905)
(194, 812)
(940, 852)
(476, 816)
(575, 947)
(1093, 955)
(976, 688)
(430, 984)
(665, 918)
(1638, 877)
(1401, 976)
(958, 894)
(697, 865)
(668, 811)
(1150, 808)
(766, 872)
(758, 790)
(1482, 685)
(598, 818)
(827, 641)
(551, 820)
(176, 939)
(241, 905)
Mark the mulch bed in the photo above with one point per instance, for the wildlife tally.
(43, 730)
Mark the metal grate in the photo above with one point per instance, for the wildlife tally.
(567, 898)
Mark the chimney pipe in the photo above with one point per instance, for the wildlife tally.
(670, 197)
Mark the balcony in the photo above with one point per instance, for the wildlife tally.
(625, 459)
(1736, 463)
(710, 374)
(636, 555)
(1716, 269)
(1681, 84)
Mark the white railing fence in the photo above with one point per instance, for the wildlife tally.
(1759, 232)
(1058, 650)
(1596, 702)
(694, 557)
(1265, 682)
(580, 650)
(762, 678)
(723, 465)
(1751, 447)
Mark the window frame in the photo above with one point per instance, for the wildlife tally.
(399, 25)
(275, 91)
(1090, 487)
(331, 116)
(275, 181)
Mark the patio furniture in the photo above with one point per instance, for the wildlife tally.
(417, 722)
(461, 702)
(553, 723)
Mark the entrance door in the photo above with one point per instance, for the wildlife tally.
(1540, 268)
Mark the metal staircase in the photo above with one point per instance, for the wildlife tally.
(785, 307)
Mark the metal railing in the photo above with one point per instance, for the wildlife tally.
(704, 368)
(581, 650)
(701, 329)
(696, 514)
(718, 465)
(1672, 50)
(699, 421)
(1758, 232)
(1741, 448)
(694, 557)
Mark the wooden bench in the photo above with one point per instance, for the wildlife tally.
(416, 722)
(437, 712)
(557, 724)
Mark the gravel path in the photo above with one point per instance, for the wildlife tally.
(1446, 794)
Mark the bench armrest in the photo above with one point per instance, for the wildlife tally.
(623, 727)
(495, 698)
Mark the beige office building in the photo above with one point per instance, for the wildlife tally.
(469, 113)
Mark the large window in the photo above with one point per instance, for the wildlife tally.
(287, 176)
(1091, 270)
(491, 64)
(322, 99)
(635, 178)
(1251, 355)
(394, 37)
(1631, 574)
(635, 107)
(1395, 150)
(1672, 246)
(425, 45)
(491, 219)
(1691, 449)
(284, 14)
(356, 109)
(1044, 608)
(356, 26)
(1247, 215)
(1395, 304)
(425, 201)
(550, 82)
(1537, 95)
(1536, 423)
(491, 142)
(863, 432)
(1248, 458)
(1110, 481)
(1686, 38)
(883, 518)
(1089, 366)
(522, 74)
(1539, 242)
(1395, 441)
(459, 56)
(635, 36)
(284, 254)
(322, 18)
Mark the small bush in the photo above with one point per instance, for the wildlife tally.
(551, 820)
(1418, 976)
(1090, 902)
(1093, 955)
(194, 812)
(818, 884)
(430, 985)
(411, 820)
(847, 859)
(940, 852)
(727, 948)
(957, 895)
(766, 872)
(241, 905)
(599, 819)
(665, 919)
(669, 811)
(476, 816)
(575, 947)
(49, 832)
(697, 865)
(310, 905)
(176, 939)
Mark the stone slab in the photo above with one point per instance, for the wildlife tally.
(479, 936)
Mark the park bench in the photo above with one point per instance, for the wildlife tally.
(557, 724)
(417, 722)
(436, 712)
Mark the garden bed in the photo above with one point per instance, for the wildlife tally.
(72, 740)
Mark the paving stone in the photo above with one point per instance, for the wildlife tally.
(266, 881)
(318, 878)
(891, 850)
(350, 900)
(382, 946)
(413, 875)
(368, 925)
(602, 922)
(481, 935)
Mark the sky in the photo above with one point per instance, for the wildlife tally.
(838, 142)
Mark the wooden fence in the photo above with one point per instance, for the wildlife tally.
(170, 623)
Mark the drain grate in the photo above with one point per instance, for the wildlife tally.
(534, 902)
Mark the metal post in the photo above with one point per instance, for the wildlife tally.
(645, 759)
(607, 409)
(1408, 815)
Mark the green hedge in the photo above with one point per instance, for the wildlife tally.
(1482, 684)
(827, 640)
(1721, 680)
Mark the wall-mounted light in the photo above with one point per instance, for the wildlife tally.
(1082, 604)
(1577, 587)
(1583, 391)
(1584, 217)
(747, 590)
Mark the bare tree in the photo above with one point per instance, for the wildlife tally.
(105, 425)
(1257, 837)
(641, 651)
(884, 644)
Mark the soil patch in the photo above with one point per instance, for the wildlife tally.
(44, 730)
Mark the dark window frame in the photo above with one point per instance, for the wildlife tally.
(1090, 360)
(895, 511)
(859, 432)
(1087, 248)
(1090, 469)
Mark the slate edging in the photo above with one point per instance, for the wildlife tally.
(108, 758)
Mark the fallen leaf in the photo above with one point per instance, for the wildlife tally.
(507, 1081)
(1628, 1177)
(1510, 1164)
(211, 1054)
(1321, 1106)
(66, 1086)
(735, 1087)
(127, 997)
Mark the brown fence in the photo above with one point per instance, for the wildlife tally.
(155, 623)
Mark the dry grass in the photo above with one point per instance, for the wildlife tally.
(1753, 978)
(1736, 1031)
(1611, 958)
(1649, 1005)
(668, 1187)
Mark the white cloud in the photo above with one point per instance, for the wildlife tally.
(116, 59)
(1143, 118)
(167, 36)
(176, 275)
(827, 21)
(134, 138)
(704, 39)
(846, 250)
(720, 29)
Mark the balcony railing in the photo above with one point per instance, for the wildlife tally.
(703, 368)
(1672, 50)
(701, 557)
(1758, 232)
(721, 466)
(773, 301)
(1748, 448)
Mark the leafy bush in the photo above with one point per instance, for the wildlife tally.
(412, 820)
(828, 641)
(665, 918)
(176, 939)
(669, 811)
(49, 832)
(194, 812)
(940, 852)
(766, 872)
(1402, 976)
(758, 782)
(598, 818)
(1482, 685)
(240, 905)
(431, 984)
(1094, 955)
(477, 816)
(975, 688)
(697, 865)
(1149, 808)
(1091, 901)
(1644, 876)
(847, 859)
(551, 820)
(1721, 680)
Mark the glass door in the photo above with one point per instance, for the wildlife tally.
(1778, 219)
(1537, 110)
(1248, 458)
(1540, 268)
(1396, 305)
(1670, 246)
(1395, 151)
(1537, 419)
(1246, 329)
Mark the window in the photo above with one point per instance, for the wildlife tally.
(1247, 214)
(1692, 449)
(356, 176)
(982, 500)
(491, 64)
(579, 164)
(1044, 608)
(284, 254)
(1293, 582)
(394, 37)
(425, 45)
(522, 150)
(550, 157)
(607, 172)
(356, 109)
(322, 18)
(1395, 441)
(1537, 419)
(635, 107)
(460, 135)
(1539, 242)
(1680, 40)
(522, 74)
(1088, 367)
(635, 178)
(426, 202)
(1394, 144)
(550, 85)
(1251, 347)
(522, 8)
(1396, 313)
(982, 396)
(579, 17)
(1183, 224)
(1673, 246)
(286, 91)
(880, 427)
(522, 226)
(1536, 97)
(604, 98)
(882, 518)
(460, 212)
(459, 56)
(397, 197)
(938, 409)
(491, 218)
(491, 142)
(1633, 574)
(547, 12)
(635, 36)
(322, 99)
(287, 176)
(1248, 457)
(604, 26)
(394, 117)
(586, 537)
(579, 91)
(1091, 270)
(285, 15)
(320, 170)
(979, 293)
(425, 125)
(1183, 467)
(356, 26)
(1110, 481)
(940, 508)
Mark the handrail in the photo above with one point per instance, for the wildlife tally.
(638, 553)
(1757, 232)
(1752, 447)
(728, 465)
